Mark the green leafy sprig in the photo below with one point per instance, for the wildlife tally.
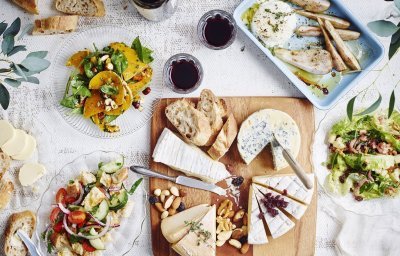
(12, 73)
(374, 106)
(143, 52)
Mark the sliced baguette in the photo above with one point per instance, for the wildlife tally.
(13, 245)
(224, 139)
(6, 191)
(81, 7)
(192, 124)
(214, 109)
(28, 5)
(55, 25)
(5, 162)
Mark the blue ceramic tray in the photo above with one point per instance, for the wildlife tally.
(367, 42)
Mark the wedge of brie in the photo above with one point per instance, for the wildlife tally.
(256, 233)
(291, 183)
(195, 243)
(294, 208)
(189, 159)
(278, 225)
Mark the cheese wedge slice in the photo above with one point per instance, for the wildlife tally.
(256, 233)
(7, 131)
(189, 159)
(28, 149)
(294, 208)
(30, 173)
(16, 144)
(174, 228)
(194, 245)
(291, 183)
(278, 225)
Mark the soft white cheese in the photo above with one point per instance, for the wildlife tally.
(16, 144)
(30, 173)
(28, 149)
(256, 233)
(7, 131)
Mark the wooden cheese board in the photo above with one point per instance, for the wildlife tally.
(298, 241)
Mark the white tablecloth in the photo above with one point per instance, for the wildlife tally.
(231, 72)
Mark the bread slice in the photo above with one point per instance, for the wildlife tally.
(214, 109)
(29, 5)
(13, 245)
(224, 139)
(192, 124)
(81, 7)
(6, 191)
(55, 25)
(5, 162)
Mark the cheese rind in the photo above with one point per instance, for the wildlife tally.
(16, 144)
(28, 149)
(291, 183)
(189, 159)
(256, 233)
(7, 131)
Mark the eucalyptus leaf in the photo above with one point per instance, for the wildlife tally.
(394, 43)
(397, 3)
(31, 79)
(18, 70)
(383, 28)
(12, 82)
(38, 54)
(371, 108)
(25, 30)
(350, 108)
(135, 186)
(4, 97)
(16, 49)
(7, 45)
(35, 64)
(3, 27)
(13, 29)
(392, 102)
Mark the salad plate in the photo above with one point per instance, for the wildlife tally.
(123, 235)
(131, 119)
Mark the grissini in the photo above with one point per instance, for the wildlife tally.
(312, 5)
(224, 139)
(344, 52)
(346, 35)
(336, 21)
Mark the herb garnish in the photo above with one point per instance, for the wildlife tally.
(202, 234)
(109, 89)
(143, 52)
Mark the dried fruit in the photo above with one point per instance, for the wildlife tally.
(237, 181)
(153, 200)
(182, 193)
(147, 91)
(237, 233)
(181, 207)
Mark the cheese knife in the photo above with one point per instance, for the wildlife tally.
(298, 170)
(181, 180)
(33, 250)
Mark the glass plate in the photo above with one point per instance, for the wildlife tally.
(125, 236)
(132, 119)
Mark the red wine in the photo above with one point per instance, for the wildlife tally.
(184, 74)
(218, 31)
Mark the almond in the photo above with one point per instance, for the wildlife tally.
(168, 201)
(159, 207)
(175, 204)
(235, 243)
(237, 233)
(174, 191)
(171, 211)
(245, 248)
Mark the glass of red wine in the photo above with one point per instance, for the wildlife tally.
(183, 73)
(217, 29)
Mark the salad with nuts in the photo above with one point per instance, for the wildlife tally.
(107, 82)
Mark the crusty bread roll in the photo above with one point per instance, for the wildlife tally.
(55, 25)
(6, 192)
(191, 123)
(224, 139)
(81, 7)
(29, 5)
(13, 245)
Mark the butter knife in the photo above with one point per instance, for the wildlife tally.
(33, 250)
(181, 180)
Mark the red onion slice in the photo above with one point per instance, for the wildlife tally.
(79, 200)
(63, 209)
(96, 220)
(101, 234)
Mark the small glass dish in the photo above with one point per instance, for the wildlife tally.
(217, 29)
(179, 59)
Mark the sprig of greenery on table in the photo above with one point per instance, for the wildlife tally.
(12, 73)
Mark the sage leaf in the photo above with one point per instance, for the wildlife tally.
(25, 30)
(4, 97)
(7, 45)
(38, 54)
(3, 27)
(16, 49)
(371, 108)
(391, 104)
(394, 43)
(383, 28)
(35, 64)
(12, 82)
(31, 79)
(350, 107)
(13, 29)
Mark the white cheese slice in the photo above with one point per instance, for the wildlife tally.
(16, 144)
(190, 245)
(30, 173)
(7, 131)
(174, 228)
(189, 159)
(28, 149)
(291, 183)
(256, 233)
(294, 208)
(278, 225)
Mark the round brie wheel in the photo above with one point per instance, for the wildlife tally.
(7, 131)
(28, 150)
(16, 144)
(30, 173)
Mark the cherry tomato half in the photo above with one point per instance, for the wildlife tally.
(69, 199)
(77, 217)
(54, 214)
(87, 247)
(60, 196)
(58, 227)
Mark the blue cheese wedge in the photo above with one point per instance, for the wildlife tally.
(256, 233)
(278, 225)
(189, 159)
(291, 183)
(294, 208)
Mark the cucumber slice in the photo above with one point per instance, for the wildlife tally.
(102, 211)
(97, 243)
(112, 166)
(76, 208)
(119, 200)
